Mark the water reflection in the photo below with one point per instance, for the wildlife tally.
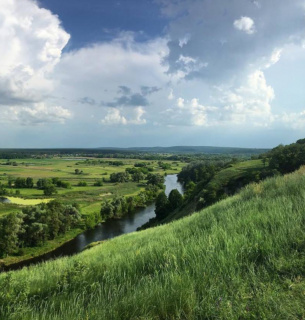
(4, 200)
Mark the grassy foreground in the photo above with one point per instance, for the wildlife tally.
(242, 258)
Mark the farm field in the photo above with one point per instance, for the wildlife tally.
(88, 196)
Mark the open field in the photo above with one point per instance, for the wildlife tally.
(89, 197)
(242, 258)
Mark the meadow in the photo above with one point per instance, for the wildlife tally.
(242, 258)
(89, 197)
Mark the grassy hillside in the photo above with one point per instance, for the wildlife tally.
(237, 170)
(242, 258)
(236, 174)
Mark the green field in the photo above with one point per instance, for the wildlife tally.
(242, 258)
(89, 197)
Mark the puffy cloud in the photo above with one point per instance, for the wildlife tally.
(245, 24)
(114, 117)
(31, 42)
(37, 115)
(138, 116)
(189, 113)
(180, 103)
(250, 103)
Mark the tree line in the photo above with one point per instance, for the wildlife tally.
(119, 206)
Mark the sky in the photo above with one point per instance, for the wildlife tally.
(104, 73)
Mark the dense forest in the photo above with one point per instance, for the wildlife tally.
(35, 225)
(171, 153)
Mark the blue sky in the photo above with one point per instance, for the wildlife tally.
(91, 21)
(151, 73)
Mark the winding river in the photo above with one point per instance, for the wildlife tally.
(106, 230)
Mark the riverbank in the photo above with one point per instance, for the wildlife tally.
(35, 252)
(77, 240)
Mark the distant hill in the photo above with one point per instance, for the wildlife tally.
(192, 149)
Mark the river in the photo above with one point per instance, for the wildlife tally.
(106, 230)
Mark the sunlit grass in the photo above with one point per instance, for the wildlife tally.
(27, 202)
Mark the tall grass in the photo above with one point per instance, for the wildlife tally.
(243, 258)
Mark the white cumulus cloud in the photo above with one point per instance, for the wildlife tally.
(245, 24)
(38, 114)
(114, 116)
(31, 42)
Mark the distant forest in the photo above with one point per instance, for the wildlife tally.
(170, 153)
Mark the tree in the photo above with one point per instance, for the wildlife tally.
(10, 182)
(190, 188)
(20, 183)
(137, 176)
(98, 183)
(162, 206)
(29, 182)
(55, 217)
(119, 177)
(107, 209)
(42, 183)
(3, 191)
(38, 233)
(70, 218)
(155, 179)
(10, 227)
(49, 189)
(175, 199)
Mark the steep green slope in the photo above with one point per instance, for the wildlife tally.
(226, 181)
(237, 171)
(242, 258)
